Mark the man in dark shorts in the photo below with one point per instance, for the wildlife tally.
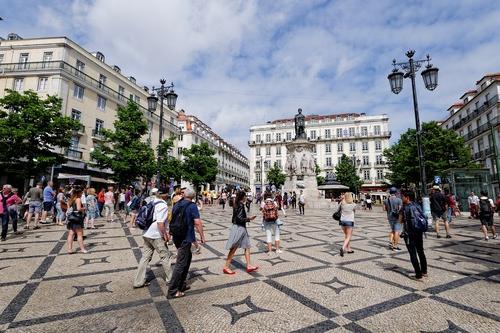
(486, 213)
(48, 201)
(438, 210)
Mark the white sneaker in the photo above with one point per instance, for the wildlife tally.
(278, 251)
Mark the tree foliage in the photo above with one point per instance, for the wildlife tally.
(123, 151)
(170, 167)
(32, 132)
(317, 170)
(275, 176)
(347, 175)
(443, 149)
(199, 166)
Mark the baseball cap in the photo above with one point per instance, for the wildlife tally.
(155, 191)
(393, 190)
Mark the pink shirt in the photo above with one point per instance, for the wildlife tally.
(14, 199)
(109, 198)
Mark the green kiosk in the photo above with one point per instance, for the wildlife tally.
(463, 181)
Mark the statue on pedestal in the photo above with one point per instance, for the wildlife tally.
(300, 124)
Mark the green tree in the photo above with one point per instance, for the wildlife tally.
(30, 129)
(199, 166)
(443, 149)
(317, 170)
(123, 151)
(347, 175)
(276, 176)
(170, 167)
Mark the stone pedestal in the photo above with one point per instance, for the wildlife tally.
(300, 171)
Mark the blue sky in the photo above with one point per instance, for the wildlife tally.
(238, 63)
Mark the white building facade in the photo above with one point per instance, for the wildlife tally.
(359, 136)
(475, 117)
(233, 167)
(91, 91)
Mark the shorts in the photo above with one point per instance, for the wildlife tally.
(486, 221)
(439, 215)
(396, 226)
(349, 224)
(35, 207)
(47, 206)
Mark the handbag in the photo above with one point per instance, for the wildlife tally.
(336, 216)
(75, 216)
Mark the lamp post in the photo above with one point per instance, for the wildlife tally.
(161, 93)
(430, 76)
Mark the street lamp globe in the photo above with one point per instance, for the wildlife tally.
(171, 97)
(396, 81)
(430, 76)
(152, 102)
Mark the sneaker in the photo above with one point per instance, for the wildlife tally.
(486, 238)
(397, 249)
(278, 251)
(494, 236)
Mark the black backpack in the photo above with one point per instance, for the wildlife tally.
(485, 209)
(145, 217)
(178, 226)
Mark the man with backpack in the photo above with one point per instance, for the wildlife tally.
(185, 219)
(393, 207)
(415, 224)
(439, 208)
(151, 219)
(486, 213)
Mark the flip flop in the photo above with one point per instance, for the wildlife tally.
(178, 295)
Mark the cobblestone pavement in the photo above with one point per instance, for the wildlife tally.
(308, 288)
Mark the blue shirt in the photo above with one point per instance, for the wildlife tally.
(48, 194)
(190, 214)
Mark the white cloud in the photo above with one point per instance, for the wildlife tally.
(237, 63)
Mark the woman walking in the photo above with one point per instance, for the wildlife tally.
(75, 221)
(60, 202)
(92, 208)
(348, 207)
(223, 198)
(269, 210)
(238, 237)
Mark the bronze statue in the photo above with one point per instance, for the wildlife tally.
(300, 125)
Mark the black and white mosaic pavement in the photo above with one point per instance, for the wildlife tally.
(308, 288)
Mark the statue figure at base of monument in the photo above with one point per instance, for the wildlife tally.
(300, 124)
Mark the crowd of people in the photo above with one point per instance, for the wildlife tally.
(168, 221)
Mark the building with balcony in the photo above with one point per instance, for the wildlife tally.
(90, 88)
(361, 137)
(475, 117)
(233, 166)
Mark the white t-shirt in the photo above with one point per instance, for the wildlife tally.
(159, 216)
(122, 197)
(302, 199)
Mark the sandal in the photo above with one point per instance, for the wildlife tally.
(179, 294)
(228, 271)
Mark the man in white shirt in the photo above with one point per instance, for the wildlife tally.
(473, 205)
(154, 240)
(302, 202)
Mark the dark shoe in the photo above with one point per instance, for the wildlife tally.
(350, 251)
(186, 288)
(18, 232)
(3, 239)
(36, 228)
(341, 252)
(448, 236)
(494, 236)
(438, 236)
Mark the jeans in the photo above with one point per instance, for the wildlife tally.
(13, 216)
(109, 210)
(151, 245)
(60, 214)
(5, 223)
(301, 208)
(272, 227)
(178, 281)
(415, 244)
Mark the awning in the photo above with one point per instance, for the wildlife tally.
(101, 180)
(333, 187)
(86, 178)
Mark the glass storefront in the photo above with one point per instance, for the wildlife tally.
(463, 181)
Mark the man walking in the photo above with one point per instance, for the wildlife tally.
(109, 204)
(486, 213)
(35, 195)
(302, 202)
(438, 210)
(413, 237)
(154, 239)
(473, 201)
(48, 201)
(393, 207)
(190, 215)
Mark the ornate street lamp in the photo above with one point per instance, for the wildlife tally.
(430, 77)
(161, 93)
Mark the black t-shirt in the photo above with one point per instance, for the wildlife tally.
(438, 202)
